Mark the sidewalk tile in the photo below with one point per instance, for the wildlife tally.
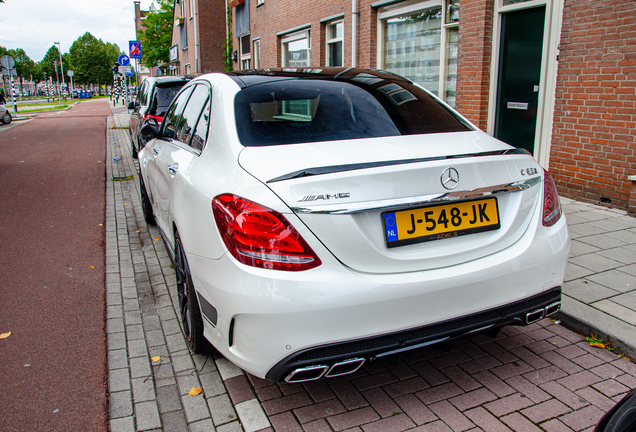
(546, 411)
(252, 416)
(147, 415)
(396, 423)
(485, 420)
(519, 423)
(451, 416)
(583, 418)
(415, 409)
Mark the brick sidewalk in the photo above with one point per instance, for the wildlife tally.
(540, 377)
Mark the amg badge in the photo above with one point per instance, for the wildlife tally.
(324, 197)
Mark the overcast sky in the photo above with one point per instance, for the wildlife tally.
(34, 25)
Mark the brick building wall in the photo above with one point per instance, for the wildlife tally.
(211, 21)
(473, 63)
(593, 146)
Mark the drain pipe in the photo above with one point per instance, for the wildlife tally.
(196, 39)
(354, 33)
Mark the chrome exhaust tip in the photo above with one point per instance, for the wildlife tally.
(309, 373)
(535, 315)
(345, 367)
(552, 308)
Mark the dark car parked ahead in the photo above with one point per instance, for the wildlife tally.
(153, 98)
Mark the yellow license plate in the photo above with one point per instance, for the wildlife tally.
(440, 221)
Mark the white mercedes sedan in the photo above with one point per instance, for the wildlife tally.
(319, 219)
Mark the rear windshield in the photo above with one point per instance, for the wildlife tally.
(162, 98)
(309, 110)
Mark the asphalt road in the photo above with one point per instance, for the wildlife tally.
(52, 188)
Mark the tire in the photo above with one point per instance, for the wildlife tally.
(146, 206)
(6, 119)
(188, 303)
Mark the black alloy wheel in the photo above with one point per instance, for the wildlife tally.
(146, 206)
(6, 118)
(188, 303)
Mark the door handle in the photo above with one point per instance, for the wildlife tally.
(173, 169)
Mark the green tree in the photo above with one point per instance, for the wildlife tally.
(91, 59)
(157, 37)
(47, 65)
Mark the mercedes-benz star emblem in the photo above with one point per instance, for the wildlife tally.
(450, 178)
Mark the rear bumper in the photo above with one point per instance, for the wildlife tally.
(316, 362)
(270, 322)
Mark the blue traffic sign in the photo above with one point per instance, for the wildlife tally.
(123, 60)
(131, 72)
(135, 49)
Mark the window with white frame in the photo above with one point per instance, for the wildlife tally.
(296, 49)
(419, 40)
(256, 53)
(246, 54)
(335, 40)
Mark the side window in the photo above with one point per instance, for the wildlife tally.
(144, 93)
(191, 113)
(172, 118)
(201, 131)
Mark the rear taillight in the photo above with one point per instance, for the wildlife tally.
(261, 237)
(147, 116)
(551, 204)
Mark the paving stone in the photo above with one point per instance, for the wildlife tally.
(125, 424)
(121, 404)
(212, 384)
(546, 411)
(118, 380)
(319, 410)
(221, 410)
(168, 399)
(519, 423)
(174, 422)
(352, 418)
(117, 359)
(376, 380)
(285, 422)
(528, 389)
(509, 404)
(202, 426)
(408, 386)
(143, 389)
(147, 415)
(435, 394)
(596, 398)
(506, 371)
(587, 291)
(451, 416)
(583, 418)
(430, 374)
(185, 382)
(195, 407)
(319, 391)
(396, 423)
(461, 378)
(579, 380)
(252, 416)
(472, 399)
(239, 389)
(286, 403)
(485, 420)
(227, 369)
(381, 402)
(415, 409)
(232, 427)
(350, 397)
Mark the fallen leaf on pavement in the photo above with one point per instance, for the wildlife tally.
(156, 239)
(194, 391)
(155, 358)
(597, 345)
(5, 335)
(92, 266)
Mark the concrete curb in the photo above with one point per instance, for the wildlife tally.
(586, 320)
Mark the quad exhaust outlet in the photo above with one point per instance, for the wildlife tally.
(312, 373)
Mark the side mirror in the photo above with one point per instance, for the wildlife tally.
(150, 129)
(132, 105)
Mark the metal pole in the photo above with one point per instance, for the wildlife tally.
(59, 50)
(15, 108)
(57, 77)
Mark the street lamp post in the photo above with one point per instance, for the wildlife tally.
(59, 50)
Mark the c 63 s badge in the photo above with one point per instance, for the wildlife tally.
(324, 197)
